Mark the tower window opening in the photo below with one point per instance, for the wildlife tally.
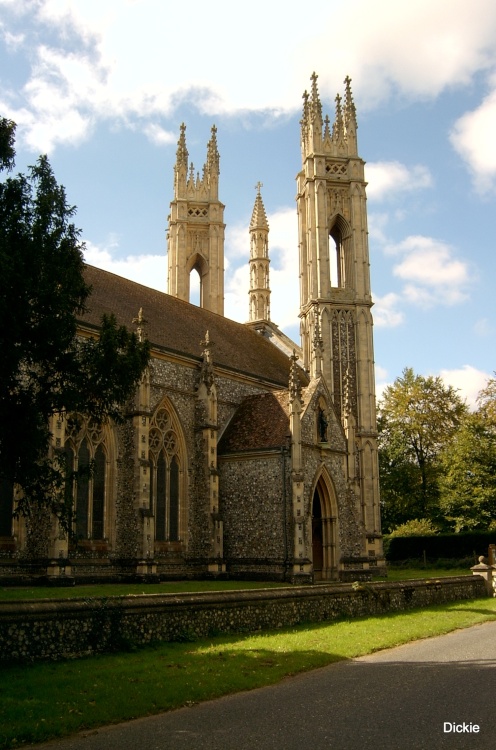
(195, 287)
(336, 258)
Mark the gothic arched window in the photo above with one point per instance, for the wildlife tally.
(86, 450)
(165, 475)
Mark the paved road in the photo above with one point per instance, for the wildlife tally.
(394, 700)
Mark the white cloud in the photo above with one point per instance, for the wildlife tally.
(386, 313)
(150, 270)
(431, 273)
(473, 138)
(158, 135)
(468, 380)
(415, 49)
(483, 328)
(388, 178)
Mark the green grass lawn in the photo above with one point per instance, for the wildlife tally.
(11, 593)
(46, 700)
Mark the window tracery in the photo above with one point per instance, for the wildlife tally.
(87, 453)
(165, 473)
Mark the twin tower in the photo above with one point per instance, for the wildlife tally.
(335, 295)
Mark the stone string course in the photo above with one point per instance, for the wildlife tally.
(58, 629)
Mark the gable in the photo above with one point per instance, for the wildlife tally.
(260, 423)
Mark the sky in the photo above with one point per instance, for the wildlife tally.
(102, 86)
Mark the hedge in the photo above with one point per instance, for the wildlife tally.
(436, 546)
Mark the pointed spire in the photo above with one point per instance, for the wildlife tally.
(349, 104)
(182, 151)
(212, 151)
(327, 132)
(338, 127)
(259, 217)
(259, 294)
(191, 178)
(316, 103)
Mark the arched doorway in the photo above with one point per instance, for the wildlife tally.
(324, 532)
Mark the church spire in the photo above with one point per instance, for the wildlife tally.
(259, 261)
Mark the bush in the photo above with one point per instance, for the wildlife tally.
(436, 546)
(415, 527)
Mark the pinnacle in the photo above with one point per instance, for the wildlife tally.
(259, 217)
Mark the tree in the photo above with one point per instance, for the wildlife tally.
(46, 368)
(487, 402)
(418, 417)
(415, 527)
(468, 481)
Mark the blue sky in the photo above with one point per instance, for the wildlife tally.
(103, 85)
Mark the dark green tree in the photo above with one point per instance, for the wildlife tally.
(45, 367)
(418, 417)
(468, 479)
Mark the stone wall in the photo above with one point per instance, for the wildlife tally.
(57, 629)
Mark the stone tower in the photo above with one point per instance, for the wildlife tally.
(259, 262)
(335, 296)
(195, 239)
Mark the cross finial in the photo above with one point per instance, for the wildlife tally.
(258, 186)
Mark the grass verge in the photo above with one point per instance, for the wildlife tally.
(17, 593)
(111, 688)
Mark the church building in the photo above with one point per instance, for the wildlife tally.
(243, 454)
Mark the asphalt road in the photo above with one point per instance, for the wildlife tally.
(398, 699)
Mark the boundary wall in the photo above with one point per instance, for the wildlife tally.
(71, 628)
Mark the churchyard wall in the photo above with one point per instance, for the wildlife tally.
(58, 629)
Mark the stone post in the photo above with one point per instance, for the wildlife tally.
(488, 573)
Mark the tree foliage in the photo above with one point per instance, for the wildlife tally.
(468, 479)
(45, 366)
(418, 417)
(415, 527)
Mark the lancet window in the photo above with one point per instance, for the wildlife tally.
(165, 475)
(87, 453)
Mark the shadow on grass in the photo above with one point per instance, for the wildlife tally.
(106, 689)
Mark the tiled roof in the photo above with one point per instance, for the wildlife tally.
(261, 422)
(179, 327)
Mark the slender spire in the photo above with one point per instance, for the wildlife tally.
(350, 121)
(182, 151)
(349, 104)
(338, 127)
(212, 151)
(259, 294)
(259, 217)
(316, 103)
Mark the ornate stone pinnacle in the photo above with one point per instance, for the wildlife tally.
(182, 151)
(140, 324)
(294, 381)
(207, 370)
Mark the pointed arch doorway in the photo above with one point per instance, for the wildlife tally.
(324, 532)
